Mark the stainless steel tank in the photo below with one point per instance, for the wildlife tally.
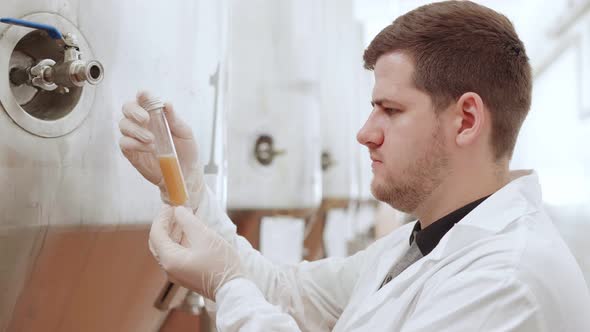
(273, 124)
(74, 215)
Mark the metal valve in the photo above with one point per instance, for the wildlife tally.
(264, 150)
(327, 161)
(49, 75)
(37, 75)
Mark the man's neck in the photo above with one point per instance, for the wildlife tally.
(458, 190)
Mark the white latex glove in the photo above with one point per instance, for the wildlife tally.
(138, 147)
(202, 262)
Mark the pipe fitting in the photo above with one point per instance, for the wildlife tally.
(76, 73)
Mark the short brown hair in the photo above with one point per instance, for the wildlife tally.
(459, 47)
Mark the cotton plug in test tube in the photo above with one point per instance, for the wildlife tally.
(165, 152)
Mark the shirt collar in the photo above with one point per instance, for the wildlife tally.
(428, 238)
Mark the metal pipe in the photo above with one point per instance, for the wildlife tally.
(75, 73)
(571, 16)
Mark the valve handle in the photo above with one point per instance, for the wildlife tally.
(51, 30)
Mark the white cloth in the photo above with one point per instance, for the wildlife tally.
(504, 267)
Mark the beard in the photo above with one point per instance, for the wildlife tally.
(418, 180)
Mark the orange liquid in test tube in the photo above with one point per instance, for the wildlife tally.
(173, 179)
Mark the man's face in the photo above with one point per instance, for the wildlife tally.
(404, 137)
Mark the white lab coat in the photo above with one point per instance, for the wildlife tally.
(503, 267)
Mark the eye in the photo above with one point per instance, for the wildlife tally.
(390, 110)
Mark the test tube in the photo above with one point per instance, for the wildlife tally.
(165, 152)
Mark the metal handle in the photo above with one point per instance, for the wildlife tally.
(51, 30)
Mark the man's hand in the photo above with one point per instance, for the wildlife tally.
(202, 261)
(137, 144)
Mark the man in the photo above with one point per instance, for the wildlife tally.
(452, 88)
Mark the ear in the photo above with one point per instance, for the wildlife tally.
(470, 119)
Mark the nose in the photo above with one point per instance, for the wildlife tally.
(370, 135)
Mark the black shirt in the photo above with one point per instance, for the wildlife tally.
(427, 239)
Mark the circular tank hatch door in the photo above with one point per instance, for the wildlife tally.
(50, 111)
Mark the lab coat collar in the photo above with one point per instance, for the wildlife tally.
(521, 196)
